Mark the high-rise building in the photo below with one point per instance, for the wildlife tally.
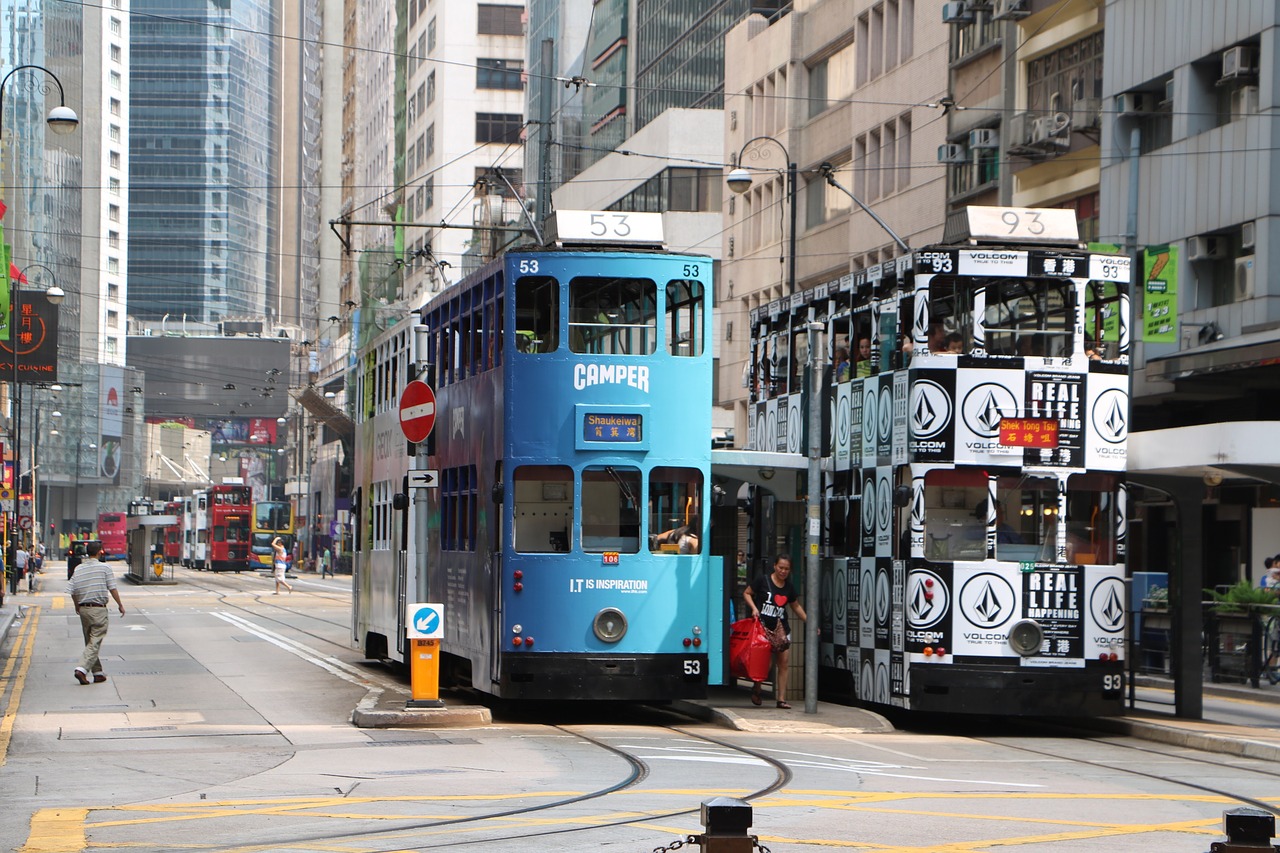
(202, 223)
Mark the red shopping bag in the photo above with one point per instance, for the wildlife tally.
(749, 651)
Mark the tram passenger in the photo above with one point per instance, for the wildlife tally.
(954, 343)
(774, 592)
(841, 362)
(864, 356)
(937, 338)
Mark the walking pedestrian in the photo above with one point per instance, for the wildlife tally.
(22, 561)
(280, 565)
(11, 567)
(89, 588)
(326, 563)
(775, 592)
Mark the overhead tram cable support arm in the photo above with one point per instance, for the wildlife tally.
(826, 169)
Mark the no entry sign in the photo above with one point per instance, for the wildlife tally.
(417, 411)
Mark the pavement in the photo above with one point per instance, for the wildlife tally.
(1256, 736)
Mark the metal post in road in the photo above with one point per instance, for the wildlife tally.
(813, 537)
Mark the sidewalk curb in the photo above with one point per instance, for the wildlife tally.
(378, 710)
(1175, 736)
(8, 615)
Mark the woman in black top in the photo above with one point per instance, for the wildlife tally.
(768, 598)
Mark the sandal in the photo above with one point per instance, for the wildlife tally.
(755, 695)
(783, 705)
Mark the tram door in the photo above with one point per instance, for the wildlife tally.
(497, 524)
(399, 532)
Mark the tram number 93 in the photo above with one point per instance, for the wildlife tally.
(1113, 682)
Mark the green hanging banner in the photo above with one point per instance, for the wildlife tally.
(6, 258)
(1160, 295)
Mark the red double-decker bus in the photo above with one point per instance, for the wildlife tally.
(173, 534)
(113, 531)
(230, 510)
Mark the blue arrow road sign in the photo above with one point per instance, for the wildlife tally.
(425, 622)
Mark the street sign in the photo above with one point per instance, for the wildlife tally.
(417, 411)
(426, 478)
(24, 521)
(424, 621)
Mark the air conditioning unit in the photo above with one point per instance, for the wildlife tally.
(1248, 235)
(984, 137)
(1134, 103)
(1244, 102)
(1244, 277)
(953, 153)
(956, 13)
(1239, 62)
(1053, 130)
(1017, 131)
(1012, 10)
(1168, 93)
(1085, 112)
(1205, 248)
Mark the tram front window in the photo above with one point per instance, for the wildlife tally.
(614, 316)
(1029, 316)
(1026, 519)
(1092, 518)
(674, 494)
(955, 526)
(537, 314)
(542, 511)
(610, 509)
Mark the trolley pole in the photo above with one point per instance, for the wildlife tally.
(813, 537)
(421, 370)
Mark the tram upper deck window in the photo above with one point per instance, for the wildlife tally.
(674, 496)
(950, 315)
(537, 314)
(542, 511)
(613, 316)
(685, 320)
(1029, 316)
(610, 509)
(954, 528)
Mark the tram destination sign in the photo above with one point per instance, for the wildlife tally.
(1028, 432)
(612, 427)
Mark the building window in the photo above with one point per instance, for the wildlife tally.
(1057, 80)
(113, 212)
(429, 193)
(113, 186)
(499, 74)
(114, 159)
(831, 80)
(429, 139)
(113, 265)
(113, 292)
(498, 127)
(113, 319)
(431, 88)
(115, 106)
(431, 35)
(115, 27)
(492, 177)
(111, 347)
(113, 239)
(495, 20)
(116, 80)
(114, 133)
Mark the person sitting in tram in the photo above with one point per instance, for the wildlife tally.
(864, 357)
(841, 365)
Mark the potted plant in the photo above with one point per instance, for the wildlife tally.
(1241, 599)
(1234, 630)
(1156, 600)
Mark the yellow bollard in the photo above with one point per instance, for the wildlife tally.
(424, 674)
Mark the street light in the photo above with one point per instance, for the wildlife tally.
(61, 120)
(740, 180)
(55, 295)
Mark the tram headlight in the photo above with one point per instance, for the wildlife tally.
(1026, 637)
(609, 625)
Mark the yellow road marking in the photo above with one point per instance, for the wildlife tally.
(59, 602)
(56, 831)
(22, 658)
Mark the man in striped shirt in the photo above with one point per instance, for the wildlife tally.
(89, 588)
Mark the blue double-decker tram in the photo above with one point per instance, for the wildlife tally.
(974, 506)
(567, 538)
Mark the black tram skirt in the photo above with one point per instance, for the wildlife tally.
(1095, 690)
(644, 678)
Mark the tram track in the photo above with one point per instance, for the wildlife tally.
(1073, 731)
(637, 772)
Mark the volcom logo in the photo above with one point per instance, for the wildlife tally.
(987, 600)
(868, 406)
(917, 505)
(842, 420)
(1124, 322)
(885, 422)
(1106, 603)
(1122, 512)
(866, 596)
(868, 505)
(1111, 416)
(985, 405)
(884, 504)
(930, 409)
(882, 597)
(921, 320)
(928, 599)
(793, 429)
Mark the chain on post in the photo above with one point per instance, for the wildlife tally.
(755, 842)
(677, 844)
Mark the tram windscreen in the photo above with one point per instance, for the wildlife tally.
(1029, 316)
(543, 508)
(610, 509)
(537, 314)
(1092, 518)
(1027, 512)
(674, 525)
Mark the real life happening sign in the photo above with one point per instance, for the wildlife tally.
(417, 411)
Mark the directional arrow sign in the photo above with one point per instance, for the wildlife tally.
(426, 478)
(424, 621)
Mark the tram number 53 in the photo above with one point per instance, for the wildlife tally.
(692, 668)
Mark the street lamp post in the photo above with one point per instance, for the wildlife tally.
(740, 179)
(61, 120)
